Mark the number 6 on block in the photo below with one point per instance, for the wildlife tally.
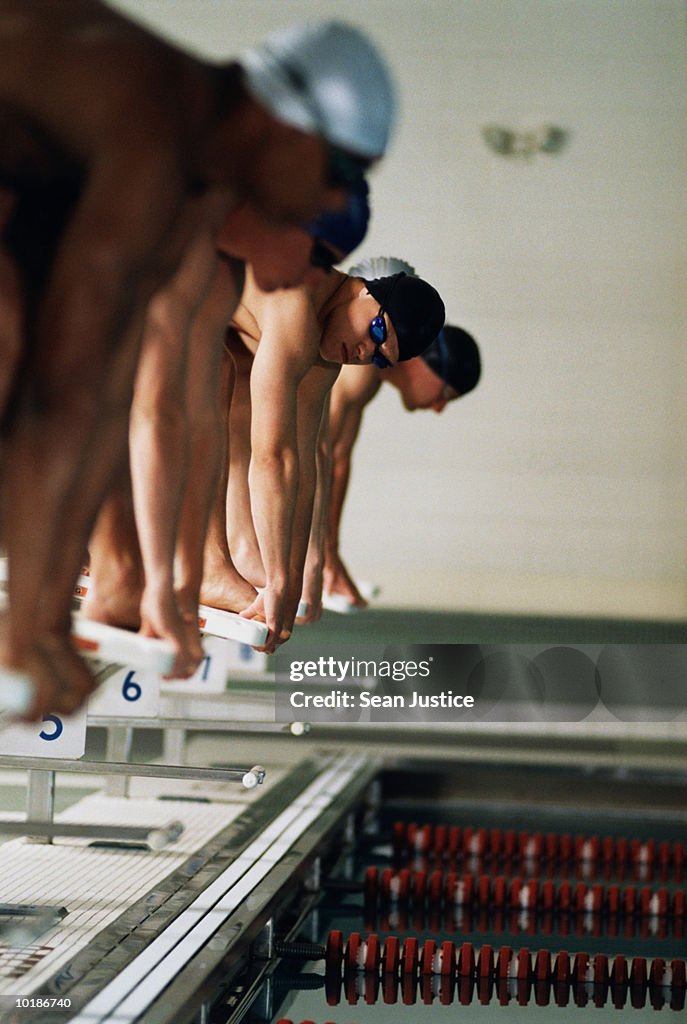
(127, 693)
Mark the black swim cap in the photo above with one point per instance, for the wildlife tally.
(415, 309)
(454, 356)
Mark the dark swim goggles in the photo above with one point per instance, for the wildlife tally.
(377, 329)
(344, 169)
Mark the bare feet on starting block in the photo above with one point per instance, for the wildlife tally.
(59, 679)
(113, 595)
(339, 590)
(77, 679)
(224, 588)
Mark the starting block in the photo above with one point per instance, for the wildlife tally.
(368, 590)
(95, 641)
(55, 736)
(214, 621)
(120, 646)
(231, 626)
(105, 643)
(340, 604)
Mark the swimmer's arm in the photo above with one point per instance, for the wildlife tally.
(208, 382)
(314, 562)
(312, 401)
(354, 389)
(289, 336)
(239, 528)
(160, 443)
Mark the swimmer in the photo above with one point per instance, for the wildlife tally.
(146, 573)
(446, 371)
(118, 154)
(299, 340)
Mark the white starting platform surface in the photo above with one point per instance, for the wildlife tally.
(340, 604)
(214, 621)
(130, 666)
(104, 644)
(231, 626)
(120, 646)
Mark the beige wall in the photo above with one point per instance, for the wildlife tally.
(560, 484)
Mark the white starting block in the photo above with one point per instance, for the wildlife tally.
(368, 590)
(227, 625)
(61, 736)
(120, 646)
(231, 626)
(340, 604)
(109, 644)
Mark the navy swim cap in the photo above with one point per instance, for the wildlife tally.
(454, 356)
(345, 229)
(415, 309)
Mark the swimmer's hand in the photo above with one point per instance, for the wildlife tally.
(268, 607)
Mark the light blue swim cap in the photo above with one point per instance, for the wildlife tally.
(326, 79)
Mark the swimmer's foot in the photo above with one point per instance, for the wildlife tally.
(78, 682)
(60, 681)
(226, 589)
(114, 598)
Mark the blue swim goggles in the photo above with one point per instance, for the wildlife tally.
(377, 329)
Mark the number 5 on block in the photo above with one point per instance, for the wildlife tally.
(54, 736)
